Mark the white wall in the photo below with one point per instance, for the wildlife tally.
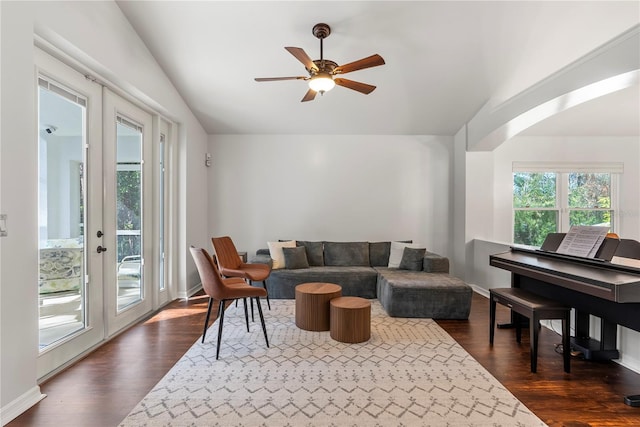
(97, 35)
(321, 187)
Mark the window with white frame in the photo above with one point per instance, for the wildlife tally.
(550, 198)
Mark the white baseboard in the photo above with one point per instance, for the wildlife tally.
(479, 290)
(21, 404)
(629, 363)
(190, 292)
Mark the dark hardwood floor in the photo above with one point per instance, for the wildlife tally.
(101, 389)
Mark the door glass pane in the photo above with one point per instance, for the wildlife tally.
(129, 213)
(61, 215)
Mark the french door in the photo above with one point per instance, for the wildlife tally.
(127, 234)
(70, 285)
(97, 209)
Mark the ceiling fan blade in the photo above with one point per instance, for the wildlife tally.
(274, 79)
(368, 62)
(357, 86)
(309, 96)
(302, 56)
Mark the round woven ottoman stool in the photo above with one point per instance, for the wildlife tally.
(312, 305)
(350, 319)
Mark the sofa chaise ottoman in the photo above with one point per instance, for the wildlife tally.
(420, 294)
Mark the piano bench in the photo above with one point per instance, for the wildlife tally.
(535, 308)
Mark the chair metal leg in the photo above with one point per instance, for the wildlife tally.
(221, 310)
(250, 282)
(492, 320)
(264, 328)
(264, 285)
(206, 320)
(246, 313)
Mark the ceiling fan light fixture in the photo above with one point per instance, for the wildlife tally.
(321, 82)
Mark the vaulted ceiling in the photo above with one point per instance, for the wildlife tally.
(444, 61)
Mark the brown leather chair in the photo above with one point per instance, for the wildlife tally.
(232, 266)
(224, 290)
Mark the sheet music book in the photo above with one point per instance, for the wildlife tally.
(583, 241)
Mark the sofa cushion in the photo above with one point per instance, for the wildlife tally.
(315, 255)
(412, 259)
(295, 258)
(397, 249)
(275, 251)
(355, 281)
(379, 254)
(346, 253)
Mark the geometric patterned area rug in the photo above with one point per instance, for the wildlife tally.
(410, 373)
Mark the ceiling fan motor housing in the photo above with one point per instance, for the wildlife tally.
(321, 30)
(324, 66)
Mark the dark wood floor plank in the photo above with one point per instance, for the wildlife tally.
(101, 389)
(591, 395)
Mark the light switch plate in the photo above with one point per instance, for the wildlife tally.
(3, 225)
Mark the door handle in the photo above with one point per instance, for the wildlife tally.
(101, 249)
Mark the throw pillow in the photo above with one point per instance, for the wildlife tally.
(412, 259)
(397, 249)
(295, 258)
(379, 253)
(315, 254)
(275, 251)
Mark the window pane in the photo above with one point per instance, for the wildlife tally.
(590, 217)
(536, 190)
(531, 227)
(589, 190)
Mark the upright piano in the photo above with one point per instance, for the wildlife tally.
(607, 289)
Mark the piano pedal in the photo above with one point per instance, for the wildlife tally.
(573, 352)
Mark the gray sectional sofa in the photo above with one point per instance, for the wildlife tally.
(420, 286)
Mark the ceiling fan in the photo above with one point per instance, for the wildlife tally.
(322, 71)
